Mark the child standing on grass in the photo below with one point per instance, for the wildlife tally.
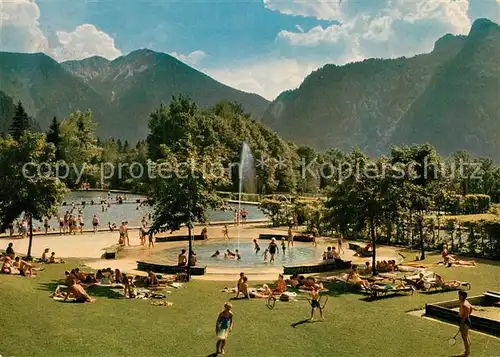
(223, 326)
(315, 303)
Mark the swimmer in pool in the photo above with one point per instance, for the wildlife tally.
(216, 254)
(238, 256)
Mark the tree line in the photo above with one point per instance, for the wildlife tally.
(394, 207)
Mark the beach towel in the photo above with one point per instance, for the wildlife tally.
(111, 286)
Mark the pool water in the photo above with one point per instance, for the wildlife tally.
(301, 253)
(130, 212)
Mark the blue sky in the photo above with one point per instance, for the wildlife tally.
(262, 46)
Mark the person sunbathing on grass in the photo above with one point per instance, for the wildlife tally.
(354, 278)
(419, 282)
(310, 283)
(7, 267)
(25, 269)
(452, 284)
(294, 281)
(78, 292)
(449, 261)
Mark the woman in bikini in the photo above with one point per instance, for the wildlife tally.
(273, 249)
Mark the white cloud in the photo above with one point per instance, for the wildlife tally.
(85, 41)
(20, 32)
(20, 27)
(320, 9)
(266, 77)
(191, 59)
(377, 28)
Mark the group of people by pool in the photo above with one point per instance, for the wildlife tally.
(15, 265)
(76, 281)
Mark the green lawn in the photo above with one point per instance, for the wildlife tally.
(35, 325)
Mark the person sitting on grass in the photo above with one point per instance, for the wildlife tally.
(118, 276)
(44, 258)
(354, 278)
(279, 285)
(391, 265)
(152, 279)
(78, 292)
(7, 265)
(239, 285)
(294, 281)
(244, 288)
(25, 269)
(10, 251)
(368, 269)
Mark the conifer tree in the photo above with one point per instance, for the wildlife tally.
(20, 122)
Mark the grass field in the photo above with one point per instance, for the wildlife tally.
(35, 325)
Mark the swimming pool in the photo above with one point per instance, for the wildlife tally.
(301, 253)
(130, 212)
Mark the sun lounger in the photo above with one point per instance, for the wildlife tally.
(407, 268)
(462, 285)
(318, 268)
(377, 290)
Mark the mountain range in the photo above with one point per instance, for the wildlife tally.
(121, 93)
(449, 97)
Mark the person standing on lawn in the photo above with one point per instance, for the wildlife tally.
(223, 326)
(465, 322)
